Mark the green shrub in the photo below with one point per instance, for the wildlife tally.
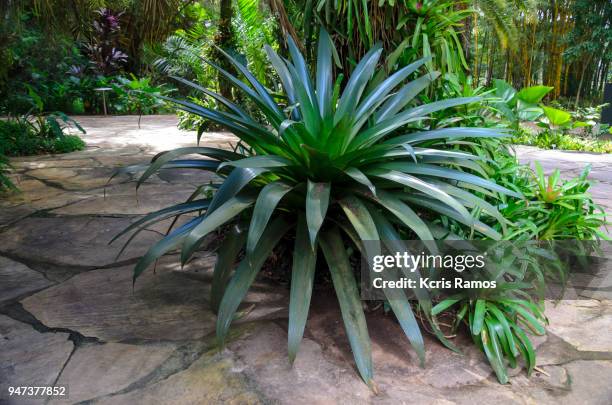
(329, 169)
(497, 326)
(138, 96)
(33, 135)
(515, 106)
(192, 122)
(16, 139)
(554, 209)
(557, 140)
(66, 144)
(5, 182)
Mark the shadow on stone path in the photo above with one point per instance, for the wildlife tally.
(69, 315)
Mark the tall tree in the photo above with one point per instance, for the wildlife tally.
(588, 50)
(226, 41)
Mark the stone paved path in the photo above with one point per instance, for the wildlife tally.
(69, 316)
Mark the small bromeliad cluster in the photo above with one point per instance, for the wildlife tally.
(328, 167)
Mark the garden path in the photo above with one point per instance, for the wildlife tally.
(69, 315)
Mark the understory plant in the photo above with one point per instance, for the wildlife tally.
(500, 326)
(551, 139)
(37, 133)
(515, 106)
(589, 118)
(557, 125)
(5, 182)
(559, 131)
(138, 96)
(327, 169)
(551, 211)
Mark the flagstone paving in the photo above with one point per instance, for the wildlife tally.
(70, 316)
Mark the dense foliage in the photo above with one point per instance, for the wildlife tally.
(5, 181)
(36, 134)
(562, 141)
(65, 53)
(563, 44)
(392, 123)
(331, 170)
(552, 209)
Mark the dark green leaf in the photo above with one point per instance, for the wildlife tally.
(479, 314)
(226, 258)
(245, 275)
(317, 201)
(212, 221)
(302, 278)
(350, 304)
(267, 201)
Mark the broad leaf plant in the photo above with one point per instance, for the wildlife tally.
(327, 169)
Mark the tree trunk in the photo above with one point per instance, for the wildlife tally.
(530, 57)
(225, 40)
(566, 78)
(490, 62)
(552, 47)
(277, 7)
(584, 66)
(508, 68)
(478, 59)
(604, 77)
(467, 35)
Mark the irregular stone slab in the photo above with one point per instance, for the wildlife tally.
(170, 304)
(13, 213)
(582, 323)
(72, 241)
(318, 376)
(98, 370)
(37, 194)
(313, 379)
(17, 279)
(157, 133)
(580, 158)
(124, 199)
(602, 196)
(76, 179)
(590, 382)
(122, 160)
(52, 161)
(324, 371)
(577, 382)
(166, 305)
(212, 379)
(29, 358)
(184, 176)
(392, 353)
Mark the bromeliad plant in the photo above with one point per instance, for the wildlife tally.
(557, 209)
(497, 326)
(328, 168)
